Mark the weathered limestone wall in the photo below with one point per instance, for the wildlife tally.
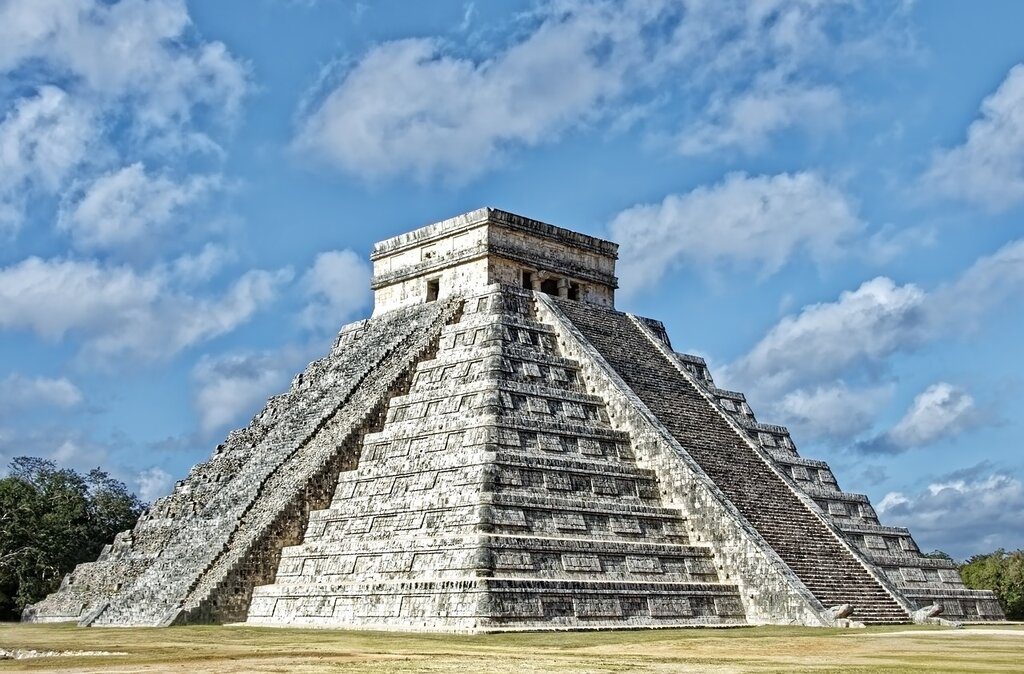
(468, 252)
(452, 282)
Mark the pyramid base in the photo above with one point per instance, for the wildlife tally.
(497, 604)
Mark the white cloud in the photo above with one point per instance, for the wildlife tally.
(69, 448)
(865, 326)
(940, 411)
(138, 51)
(338, 285)
(426, 108)
(408, 108)
(122, 313)
(776, 65)
(202, 266)
(76, 448)
(862, 327)
(989, 283)
(891, 501)
(853, 338)
(988, 168)
(962, 514)
(18, 392)
(76, 455)
(748, 222)
(836, 412)
(42, 139)
(232, 387)
(127, 205)
(153, 483)
(112, 81)
(467, 16)
(746, 122)
(891, 242)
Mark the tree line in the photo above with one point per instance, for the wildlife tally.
(50, 520)
(54, 518)
(1003, 573)
(999, 571)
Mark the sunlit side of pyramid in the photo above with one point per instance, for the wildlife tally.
(497, 448)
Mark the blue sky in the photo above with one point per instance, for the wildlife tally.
(822, 199)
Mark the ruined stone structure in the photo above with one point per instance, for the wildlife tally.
(497, 448)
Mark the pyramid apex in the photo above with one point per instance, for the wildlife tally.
(468, 252)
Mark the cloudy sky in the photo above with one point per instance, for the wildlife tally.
(824, 199)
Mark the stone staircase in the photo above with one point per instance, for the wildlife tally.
(800, 537)
(892, 551)
(195, 555)
(280, 512)
(497, 497)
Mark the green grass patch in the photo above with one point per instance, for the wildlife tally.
(200, 649)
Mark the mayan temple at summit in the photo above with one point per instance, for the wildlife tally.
(498, 448)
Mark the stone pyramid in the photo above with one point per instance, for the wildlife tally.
(497, 448)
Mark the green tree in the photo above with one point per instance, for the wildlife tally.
(1003, 573)
(50, 520)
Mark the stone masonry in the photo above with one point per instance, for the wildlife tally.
(496, 449)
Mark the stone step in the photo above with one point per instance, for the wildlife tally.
(497, 384)
(507, 423)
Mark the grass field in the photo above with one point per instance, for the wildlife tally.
(996, 648)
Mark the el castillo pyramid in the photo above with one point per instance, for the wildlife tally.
(498, 448)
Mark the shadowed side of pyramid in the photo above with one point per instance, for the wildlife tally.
(801, 537)
(923, 581)
(831, 540)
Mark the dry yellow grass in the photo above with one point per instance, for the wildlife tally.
(996, 648)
